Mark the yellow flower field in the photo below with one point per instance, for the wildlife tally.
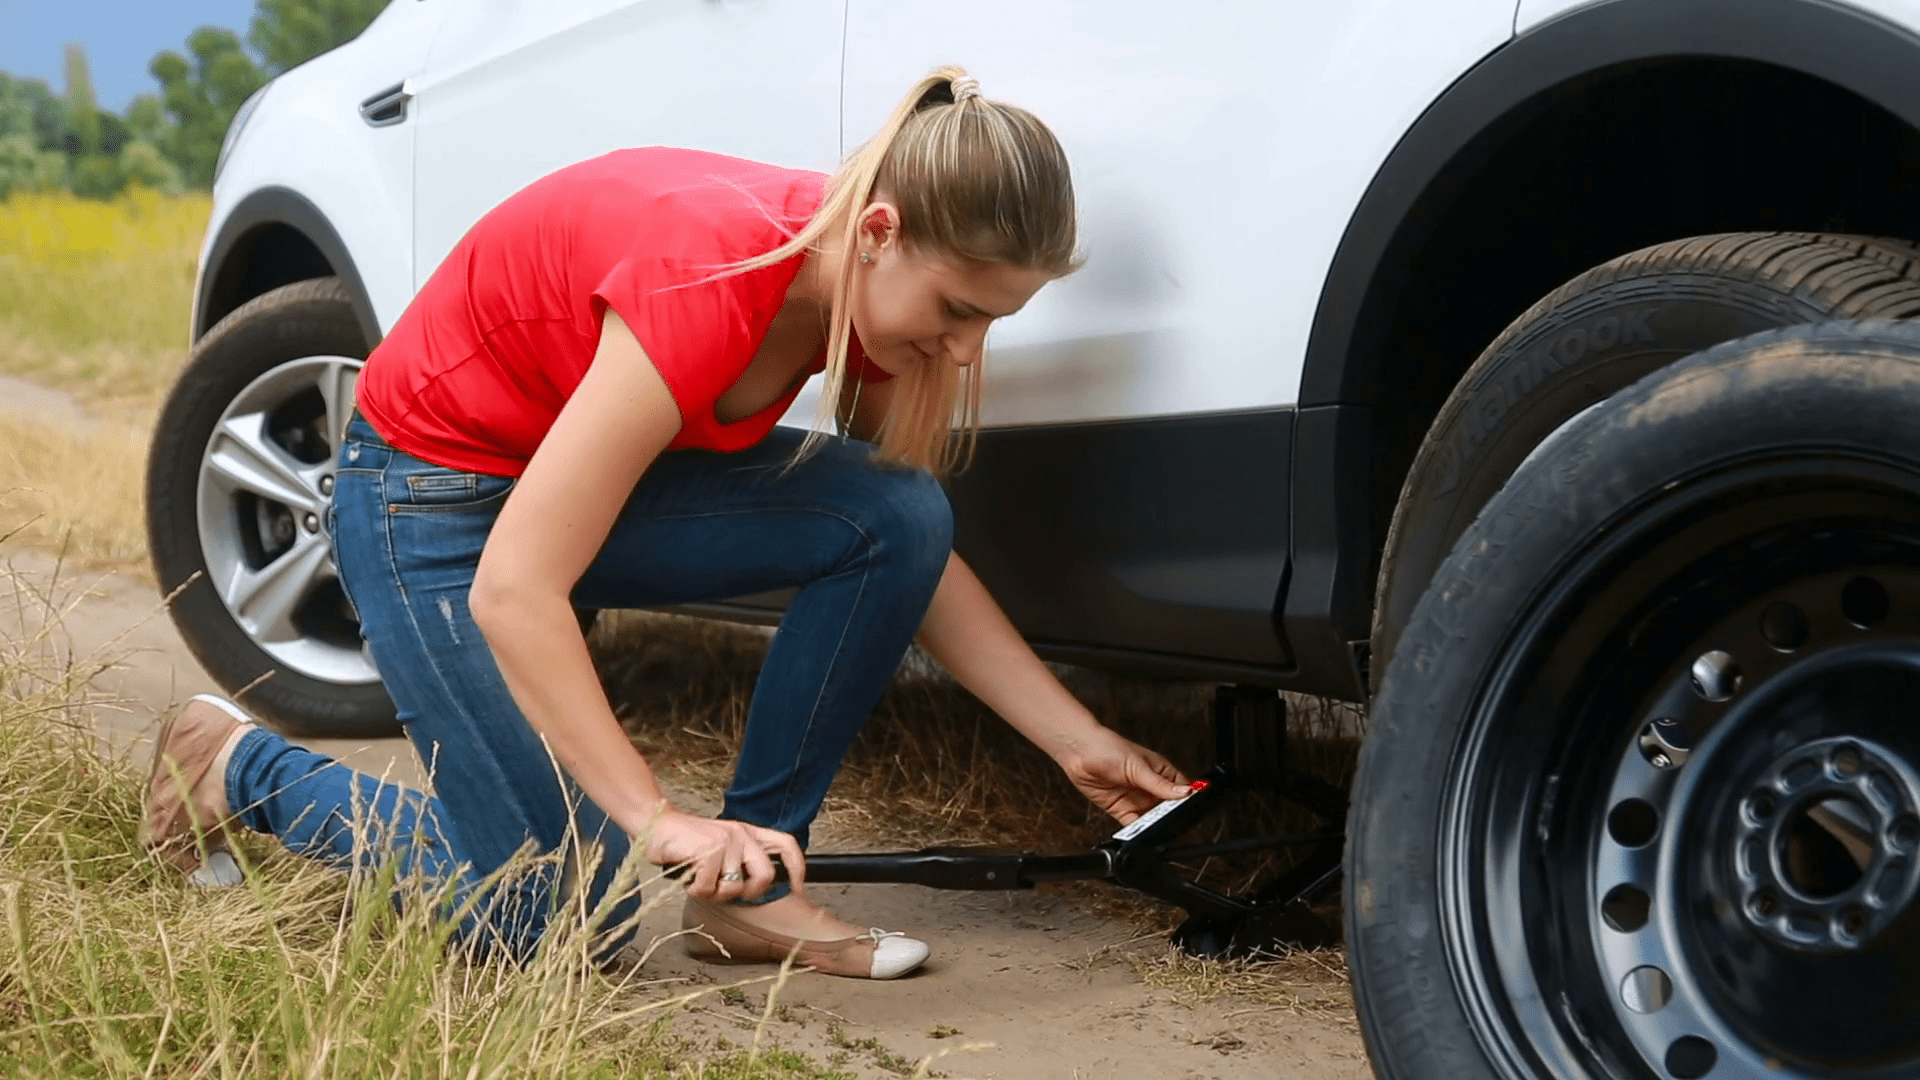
(95, 296)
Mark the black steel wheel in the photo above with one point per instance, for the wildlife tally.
(1641, 796)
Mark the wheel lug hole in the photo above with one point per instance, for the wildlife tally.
(1784, 626)
(1865, 602)
(1903, 836)
(1764, 905)
(1845, 763)
(1690, 1057)
(1633, 823)
(1800, 774)
(1716, 676)
(326, 485)
(312, 522)
(1761, 805)
(1848, 924)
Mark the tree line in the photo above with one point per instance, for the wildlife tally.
(168, 140)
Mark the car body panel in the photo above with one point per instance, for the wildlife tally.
(307, 136)
(515, 91)
(1218, 150)
(1180, 130)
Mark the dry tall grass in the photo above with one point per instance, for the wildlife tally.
(111, 966)
(80, 490)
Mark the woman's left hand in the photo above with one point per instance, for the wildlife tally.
(1122, 777)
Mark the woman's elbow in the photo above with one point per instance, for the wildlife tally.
(484, 601)
(495, 602)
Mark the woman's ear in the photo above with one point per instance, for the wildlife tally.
(879, 227)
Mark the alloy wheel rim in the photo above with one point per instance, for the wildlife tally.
(265, 484)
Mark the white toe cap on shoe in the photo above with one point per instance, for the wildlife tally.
(225, 706)
(219, 871)
(895, 956)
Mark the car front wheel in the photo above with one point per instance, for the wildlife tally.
(239, 479)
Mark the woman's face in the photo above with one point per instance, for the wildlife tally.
(912, 307)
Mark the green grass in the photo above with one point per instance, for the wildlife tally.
(111, 966)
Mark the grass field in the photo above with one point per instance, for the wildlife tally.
(94, 302)
(95, 296)
(112, 967)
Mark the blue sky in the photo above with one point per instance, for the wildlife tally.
(120, 37)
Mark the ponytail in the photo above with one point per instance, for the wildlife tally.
(974, 178)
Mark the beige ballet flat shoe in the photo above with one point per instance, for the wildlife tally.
(726, 938)
(186, 821)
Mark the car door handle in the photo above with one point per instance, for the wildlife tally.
(389, 106)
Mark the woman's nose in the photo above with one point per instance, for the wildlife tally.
(967, 346)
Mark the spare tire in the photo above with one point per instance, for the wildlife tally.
(1641, 794)
(1597, 334)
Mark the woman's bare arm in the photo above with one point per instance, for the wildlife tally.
(612, 428)
(970, 636)
(553, 525)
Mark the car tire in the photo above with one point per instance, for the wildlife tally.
(1586, 836)
(1599, 333)
(236, 514)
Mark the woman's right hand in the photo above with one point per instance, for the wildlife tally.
(711, 848)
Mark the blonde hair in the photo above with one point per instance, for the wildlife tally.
(974, 179)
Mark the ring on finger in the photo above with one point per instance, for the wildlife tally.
(733, 875)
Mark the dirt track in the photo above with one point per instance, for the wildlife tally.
(1020, 985)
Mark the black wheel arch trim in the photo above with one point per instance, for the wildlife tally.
(1327, 612)
(263, 209)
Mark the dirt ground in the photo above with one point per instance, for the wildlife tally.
(1021, 985)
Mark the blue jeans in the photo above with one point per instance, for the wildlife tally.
(865, 544)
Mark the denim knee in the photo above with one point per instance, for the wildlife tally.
(911, 519)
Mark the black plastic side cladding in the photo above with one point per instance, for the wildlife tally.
(1327, 611)
(1163, 536)
(302, 244)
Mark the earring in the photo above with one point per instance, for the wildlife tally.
(865, 258)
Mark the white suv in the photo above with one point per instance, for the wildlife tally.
(1359, 274)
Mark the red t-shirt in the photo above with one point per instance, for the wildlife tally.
(478, 366)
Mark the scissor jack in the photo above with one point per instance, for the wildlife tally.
(1250, 740)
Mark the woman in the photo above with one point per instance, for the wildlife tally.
(579, 409)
